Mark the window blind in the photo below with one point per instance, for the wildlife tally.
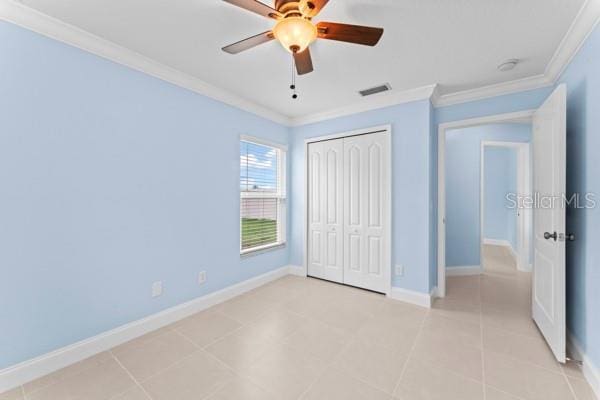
(261, 196)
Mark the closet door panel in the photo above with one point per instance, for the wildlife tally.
(354, 188)
(325, 180)
(332, 209)
(367, 217)
(316, 226)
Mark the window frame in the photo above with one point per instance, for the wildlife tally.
(280, 196)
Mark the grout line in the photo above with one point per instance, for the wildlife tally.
(199, 349)
(326, 368)
(506, 393)
(410, 352)
(236, 373)
(60, 379)
(571, 388)
(217, 340)
(223, 363)
(529, 363)
(131, 376)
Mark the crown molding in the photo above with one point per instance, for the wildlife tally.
(368, 104)
(29, 18)
(582, 26)
(485, 92)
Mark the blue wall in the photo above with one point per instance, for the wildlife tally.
(509, 103)
(583, 175)
(499, 179)
(411, 164)
(110, 180)
(463, 179)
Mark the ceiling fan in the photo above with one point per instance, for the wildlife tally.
(296, 31)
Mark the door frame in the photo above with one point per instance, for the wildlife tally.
(388, 250)
(523, 226)
(520, 116)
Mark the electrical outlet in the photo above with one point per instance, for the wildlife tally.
(157, 289)
(201, 277)
(399, 270)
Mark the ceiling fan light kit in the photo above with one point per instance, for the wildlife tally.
(296, 31)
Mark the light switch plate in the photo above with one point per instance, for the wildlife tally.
(201, 277)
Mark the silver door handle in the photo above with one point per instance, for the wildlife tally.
(548, 235)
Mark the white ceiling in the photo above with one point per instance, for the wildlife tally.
(455, 43)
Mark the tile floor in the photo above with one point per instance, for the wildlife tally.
(306, 339)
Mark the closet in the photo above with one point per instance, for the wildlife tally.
(349, 210)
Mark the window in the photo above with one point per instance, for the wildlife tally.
(262, 195)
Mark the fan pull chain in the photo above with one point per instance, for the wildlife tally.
(293, 85)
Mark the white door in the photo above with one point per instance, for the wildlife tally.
(325, 225)
(549, 166)
(366, 211)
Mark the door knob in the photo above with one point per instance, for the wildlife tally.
(548, 235)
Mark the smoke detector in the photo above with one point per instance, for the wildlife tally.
(508, 65)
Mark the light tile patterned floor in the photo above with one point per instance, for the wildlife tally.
(308, 339)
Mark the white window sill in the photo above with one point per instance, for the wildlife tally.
(262, 249)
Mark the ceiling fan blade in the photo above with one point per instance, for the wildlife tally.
(358, 34)
(256, 7)
(303, 62)
(249, 42)
(310, 8)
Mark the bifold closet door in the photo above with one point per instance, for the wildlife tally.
(366, 211)
(325, 216)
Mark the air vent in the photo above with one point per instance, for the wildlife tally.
(374, 90)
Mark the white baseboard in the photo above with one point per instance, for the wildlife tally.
(464, 270)
(297, 270)
(497, 242)
(412, 297)
(590, 371)
(29, 370)
(502, 242)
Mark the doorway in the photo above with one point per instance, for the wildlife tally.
(548, 207)
(472, 265)
(348, 208)
(505, 179)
